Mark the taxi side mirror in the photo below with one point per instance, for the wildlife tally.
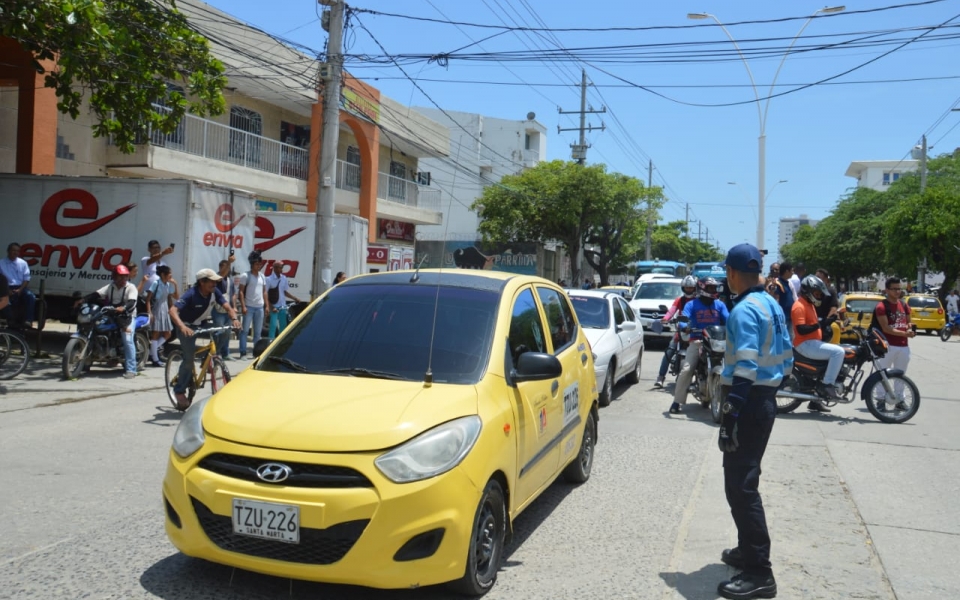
(536, 366)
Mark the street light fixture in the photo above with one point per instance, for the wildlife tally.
(762, 113)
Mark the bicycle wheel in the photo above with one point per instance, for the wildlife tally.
(14, 355)
(219, 375)
(171, 373)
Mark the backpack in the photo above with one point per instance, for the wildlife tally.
(874, 323)
(273, 294)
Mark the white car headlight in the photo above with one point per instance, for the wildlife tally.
(189, 436)
(432, 452)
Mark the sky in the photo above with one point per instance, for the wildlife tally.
(812, 134)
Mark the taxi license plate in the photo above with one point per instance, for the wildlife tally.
(266, 520)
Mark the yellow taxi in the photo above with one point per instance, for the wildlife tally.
(859, 309)
(926, 312)
(623, 290)
(391, 434)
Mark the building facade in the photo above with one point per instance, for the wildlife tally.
(267, 141)
(482, 151)
(789, 227)
(879, 174)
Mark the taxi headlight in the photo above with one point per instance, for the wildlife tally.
(431, 453)
(189, 436)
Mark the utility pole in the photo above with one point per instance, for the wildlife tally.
(922, 271)
(579, 153)
(686, 219)
(328, 149)
(699, 231)
(647, 252)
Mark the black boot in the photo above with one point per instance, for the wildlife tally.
(746, 585)
(732, 557)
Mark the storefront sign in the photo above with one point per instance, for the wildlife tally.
(377, 255)
(396, 230)
(360, 106)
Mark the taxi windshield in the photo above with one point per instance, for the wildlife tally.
(384, 331)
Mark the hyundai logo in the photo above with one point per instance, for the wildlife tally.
(274, 472)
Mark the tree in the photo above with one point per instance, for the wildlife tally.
(554, 200)
(622, 224)
(122, 53)
(925, 225)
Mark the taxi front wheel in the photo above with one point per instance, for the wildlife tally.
(579, 470)
(486, 543)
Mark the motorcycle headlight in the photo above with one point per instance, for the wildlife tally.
(431, 453)
(189, 436)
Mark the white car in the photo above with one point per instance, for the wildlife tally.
(613, 330)
(650, 300)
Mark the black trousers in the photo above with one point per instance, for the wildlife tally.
(741, 471)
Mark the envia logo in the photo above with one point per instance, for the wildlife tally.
(69, 214)
(225, 222)
(266, 231)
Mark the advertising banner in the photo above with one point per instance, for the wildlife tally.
(513, 257)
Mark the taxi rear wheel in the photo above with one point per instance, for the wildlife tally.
(579, 470)
(486, 543)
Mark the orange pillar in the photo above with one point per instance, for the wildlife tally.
(36, 110)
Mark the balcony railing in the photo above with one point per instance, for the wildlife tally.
(394, 189)
(217, 141)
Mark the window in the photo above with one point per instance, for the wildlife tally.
(593, 313)
(398, 187)
(526, 141)
(563, 327)
(351, 170)
(526, 329)
(890, 176)
(246, 127)
(423, 177)
(627, 311)
(617, 313)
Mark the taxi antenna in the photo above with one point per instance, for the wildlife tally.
(416, 275)
(428, 376)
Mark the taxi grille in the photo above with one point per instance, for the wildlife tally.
(303, 474)
(316, 547)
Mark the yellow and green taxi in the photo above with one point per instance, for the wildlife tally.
(391, 434)
(623, 290)
(859, 309)
(926, 312)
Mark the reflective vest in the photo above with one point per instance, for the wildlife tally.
(758, 342)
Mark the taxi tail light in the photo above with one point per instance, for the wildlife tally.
(939, 311)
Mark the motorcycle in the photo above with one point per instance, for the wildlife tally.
(705, 385)
(952, 326)
(805, 383)
(98, 339)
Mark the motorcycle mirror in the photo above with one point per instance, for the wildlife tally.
(663, 308)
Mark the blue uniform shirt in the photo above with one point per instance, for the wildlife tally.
(194, 308)
(703, 315)
(759, 351)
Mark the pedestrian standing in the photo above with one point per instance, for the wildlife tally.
(153, 260)
(892, 317)
(783, 292)
(799, 272)
(340, 278)
(758, 354)
(953, 303)
(221, 318)
(17, 273)
(159, 301)
(278, 292)
(253, 301)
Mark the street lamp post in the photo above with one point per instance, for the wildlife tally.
(762, 114)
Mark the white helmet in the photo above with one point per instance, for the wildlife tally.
(689, 286)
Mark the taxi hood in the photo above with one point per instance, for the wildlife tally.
(326, 413)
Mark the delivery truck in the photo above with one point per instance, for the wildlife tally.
(73, 231)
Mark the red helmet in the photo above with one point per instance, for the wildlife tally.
(121, 270)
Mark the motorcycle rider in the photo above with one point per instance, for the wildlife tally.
(689, 288)
(122, 296)
(703, 311)
(808, 338)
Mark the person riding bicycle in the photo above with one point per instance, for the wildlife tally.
(703, 311)
(194, 306)
(689, 288)
(807, 339)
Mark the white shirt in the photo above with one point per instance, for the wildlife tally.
(16, 271)
(150, 271)
(284, 286)
(253, 294)
(795, 284)
(953, 303)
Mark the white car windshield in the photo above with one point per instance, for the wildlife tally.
(658, 290)
(593, 313)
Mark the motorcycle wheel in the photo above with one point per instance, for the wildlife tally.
(142, 343)
(788, 405)
(946, 332)
(902, 410)
(716, 394)
(71, 365)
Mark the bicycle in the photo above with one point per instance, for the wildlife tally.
(209, 363)
(14, 353)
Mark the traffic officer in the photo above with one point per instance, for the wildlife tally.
(758, 355)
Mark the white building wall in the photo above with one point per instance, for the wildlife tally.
(789, 227)
(508, 146)
(870, 173)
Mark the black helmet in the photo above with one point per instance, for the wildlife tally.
(689, 286)
(709, 288)
(809, 285)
